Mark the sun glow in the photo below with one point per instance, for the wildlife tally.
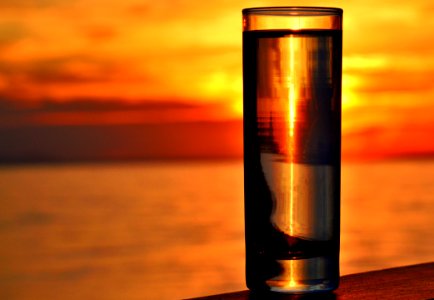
(349, 95)
(237, 107)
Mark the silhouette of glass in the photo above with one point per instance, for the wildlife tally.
(292, 65)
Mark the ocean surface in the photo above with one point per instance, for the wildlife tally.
(174, 230)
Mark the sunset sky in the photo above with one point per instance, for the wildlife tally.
(174, 60)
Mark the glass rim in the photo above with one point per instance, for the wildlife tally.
(294, 11)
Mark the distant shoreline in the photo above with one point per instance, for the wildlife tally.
(30, 161)
(202, 159)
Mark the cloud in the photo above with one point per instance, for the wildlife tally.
(162, 49)
(28, 4)
(395, 81)
(181, 10)
(99, 33)
(11, 32)
(76, 76)
(79, 112)
(58, 70)
(165, 47)
(139, 10)
(392, 73)
(93, 105)
(68, 71)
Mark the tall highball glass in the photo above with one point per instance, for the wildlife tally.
(292, 70)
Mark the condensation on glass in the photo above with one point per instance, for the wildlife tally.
(292, 65)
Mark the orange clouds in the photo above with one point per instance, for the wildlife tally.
(174, 51)
(125, 50)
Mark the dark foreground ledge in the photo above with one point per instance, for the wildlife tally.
(410, 282)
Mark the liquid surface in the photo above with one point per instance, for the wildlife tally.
(292, 150)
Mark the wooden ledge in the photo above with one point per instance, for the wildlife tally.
(409, 282)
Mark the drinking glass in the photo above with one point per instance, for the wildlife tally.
(292, 69)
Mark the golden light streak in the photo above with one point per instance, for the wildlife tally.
(291, 91)
(288, 280)
(292, 283)
(292, 116)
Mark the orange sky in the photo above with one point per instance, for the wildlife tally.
(190, 52)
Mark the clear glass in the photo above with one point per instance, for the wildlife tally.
(292, 69)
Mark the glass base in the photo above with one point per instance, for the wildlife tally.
(301, 276)
(313, 286)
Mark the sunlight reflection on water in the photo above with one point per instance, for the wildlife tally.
(175, 230)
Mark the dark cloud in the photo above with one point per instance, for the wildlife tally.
(136, 141)
(8, 106)
(20, 80)
(59, 70)
(55, 74)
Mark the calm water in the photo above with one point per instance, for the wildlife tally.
(175, 230)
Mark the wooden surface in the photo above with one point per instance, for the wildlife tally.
(409, 283)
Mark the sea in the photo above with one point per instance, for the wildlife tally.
(175, 230)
